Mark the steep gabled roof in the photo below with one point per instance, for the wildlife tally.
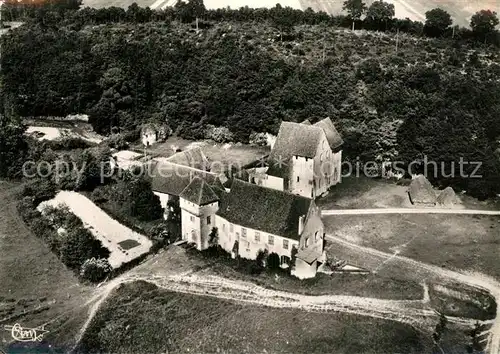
(296, 139)
(170, 178)
(332, 135)
(421, 191)
(199, 192)
(264, 209)
(193, 158)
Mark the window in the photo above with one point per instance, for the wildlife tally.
(316, 236)
(285, 244)
(193, 235)
(224, 227)
(298, 178)
(231, 228)
(243, 232)
(191, 218)
(257, 236)
(270, 240)
(208, 220)
(307, 241)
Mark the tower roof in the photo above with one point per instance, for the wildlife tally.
(199, 192)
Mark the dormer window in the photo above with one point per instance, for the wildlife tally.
(307, 242)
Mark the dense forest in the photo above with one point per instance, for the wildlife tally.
(400, 90)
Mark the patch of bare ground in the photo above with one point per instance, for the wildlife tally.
(366, 193)
(464, 242)
(36, 288)
(139, 315)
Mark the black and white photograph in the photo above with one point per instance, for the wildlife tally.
(245, 176)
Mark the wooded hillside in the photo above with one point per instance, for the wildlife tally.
(396, 96)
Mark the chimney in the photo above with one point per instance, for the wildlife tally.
(301, 224)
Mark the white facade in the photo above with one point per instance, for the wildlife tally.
(163, 201)
(302, 177)
(251, 241)
(197, 222)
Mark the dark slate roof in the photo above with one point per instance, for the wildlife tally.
(170, 178)
(421, 191)
(296, 139)
(199, 192)
(193, 158)
(332, 135)
(265, 209)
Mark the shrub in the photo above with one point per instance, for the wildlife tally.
(219, 134)
(259, 139)
(40, 190)
(117, 141)
(78, 246)
(273, 261)
(95, 269)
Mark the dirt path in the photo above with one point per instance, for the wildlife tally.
(407, 211)
(417, 313)
(423, 270)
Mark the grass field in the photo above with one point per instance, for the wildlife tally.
(454, 241)
(182, 323)
(36, 288)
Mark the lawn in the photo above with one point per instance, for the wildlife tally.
(464, 242)
(221, 156)
(140, 316)
(36, 288)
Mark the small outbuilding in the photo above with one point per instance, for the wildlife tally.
(421, 192)
(447, 197)
(153, 132)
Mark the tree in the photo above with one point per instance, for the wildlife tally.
(78, 246)
(355, 9)
(273, 261)
(437, 22)
(380, 13)
(483, 23)
(13, 148)
(213, 237)
(475, 339)
(197, 9)
(95, 269)
(439, 330)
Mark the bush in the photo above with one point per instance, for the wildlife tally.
(219, 134)
(39, 190)
(259, 139)
(273, 261)
(117, 141)
(78, 246)
(69, 143)
(95, 269)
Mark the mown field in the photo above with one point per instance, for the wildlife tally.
(141, 316)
